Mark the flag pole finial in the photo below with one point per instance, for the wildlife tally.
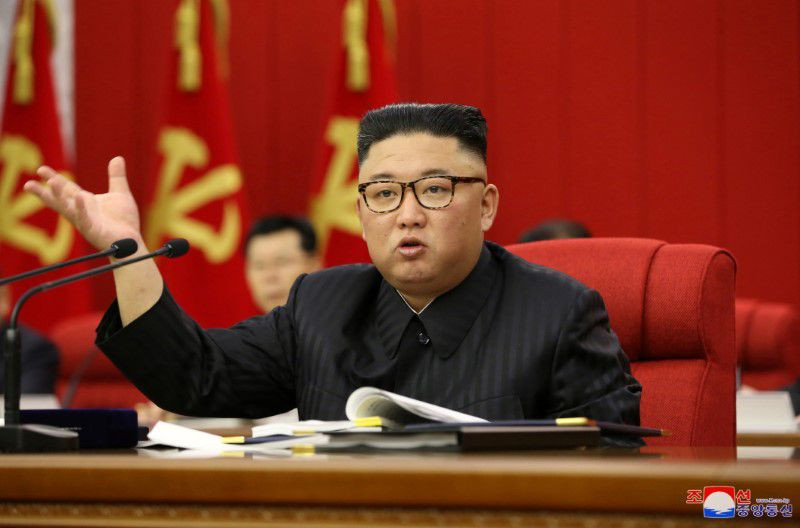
(23, 55)
(354, 35)
(187, 35)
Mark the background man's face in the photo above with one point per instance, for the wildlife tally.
(445, 243)
(273, 262)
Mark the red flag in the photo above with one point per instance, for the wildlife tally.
(196, 178)
(30, 234)
(365, 79)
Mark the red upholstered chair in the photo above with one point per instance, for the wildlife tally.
(101, 383)
(767, 343)
(672, 307)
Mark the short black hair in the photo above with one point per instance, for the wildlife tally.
(465, 123)
(272, 224)
(556, 228)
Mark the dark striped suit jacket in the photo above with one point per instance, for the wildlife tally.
(514, 340)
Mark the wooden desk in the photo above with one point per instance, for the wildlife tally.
(524, 489)
(768, 439)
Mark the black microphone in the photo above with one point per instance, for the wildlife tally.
(119, 249)
(31, 437)
(177, 248)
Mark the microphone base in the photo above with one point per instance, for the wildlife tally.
(33, 438)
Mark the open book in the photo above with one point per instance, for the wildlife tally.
(368, 410)
(396, 410)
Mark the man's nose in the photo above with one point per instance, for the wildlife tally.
(269, 275)
(411, 213)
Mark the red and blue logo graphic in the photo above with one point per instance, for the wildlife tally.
(719, 502)
(726, 502)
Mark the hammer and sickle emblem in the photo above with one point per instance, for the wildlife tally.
(334, 206)
(168, 216)
(20, 156)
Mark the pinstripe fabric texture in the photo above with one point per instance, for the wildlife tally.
(513, 340)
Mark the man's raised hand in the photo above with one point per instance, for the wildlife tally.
(100, 218)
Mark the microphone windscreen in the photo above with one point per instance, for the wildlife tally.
(177, 247)
(124, 248)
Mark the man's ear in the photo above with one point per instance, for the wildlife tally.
(314, 263)
(489, 203)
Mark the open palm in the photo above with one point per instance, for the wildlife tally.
(100, 218)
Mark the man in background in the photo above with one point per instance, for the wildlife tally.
(39, 357)
(554, 229)
(278, 249)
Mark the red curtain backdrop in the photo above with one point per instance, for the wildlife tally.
(31, 235)
(195, 184)
(676, 120)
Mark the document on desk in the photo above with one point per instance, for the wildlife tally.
(401, 410)
(765, 412)
(172, 435)
(306, 427)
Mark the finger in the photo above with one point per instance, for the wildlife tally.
(62, 187)
(45, 194)
(117, 179)
(46, 172)
(34, 187)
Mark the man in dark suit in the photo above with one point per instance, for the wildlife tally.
(441, 315)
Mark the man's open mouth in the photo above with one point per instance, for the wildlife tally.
(410, 246)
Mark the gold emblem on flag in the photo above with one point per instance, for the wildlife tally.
(335, 205)
(169, 213)
(18, 156)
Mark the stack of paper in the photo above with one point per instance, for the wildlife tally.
(172, 435)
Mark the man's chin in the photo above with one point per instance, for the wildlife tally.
(408, 275)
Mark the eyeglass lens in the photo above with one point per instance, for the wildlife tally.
(431, 192)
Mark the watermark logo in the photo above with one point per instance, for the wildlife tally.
(726, 502)
(719, 502)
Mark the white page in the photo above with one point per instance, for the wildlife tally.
(290, 429)
(169, 434)
(765, 412)
(369, 401)
(178, 436)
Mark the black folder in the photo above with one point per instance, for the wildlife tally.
(467, 438)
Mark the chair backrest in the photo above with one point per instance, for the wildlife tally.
(101, 383)
(767, 343)
(671, 306)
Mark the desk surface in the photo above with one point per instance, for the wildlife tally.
(768, 439)
(654, 480)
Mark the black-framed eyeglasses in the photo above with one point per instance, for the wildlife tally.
(432, 192)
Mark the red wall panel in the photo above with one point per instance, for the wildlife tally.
(524, 131)
(680, 105)
(761, 145)
(601, 136)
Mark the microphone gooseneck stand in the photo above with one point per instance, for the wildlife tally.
(119, 249)
(17, 437)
